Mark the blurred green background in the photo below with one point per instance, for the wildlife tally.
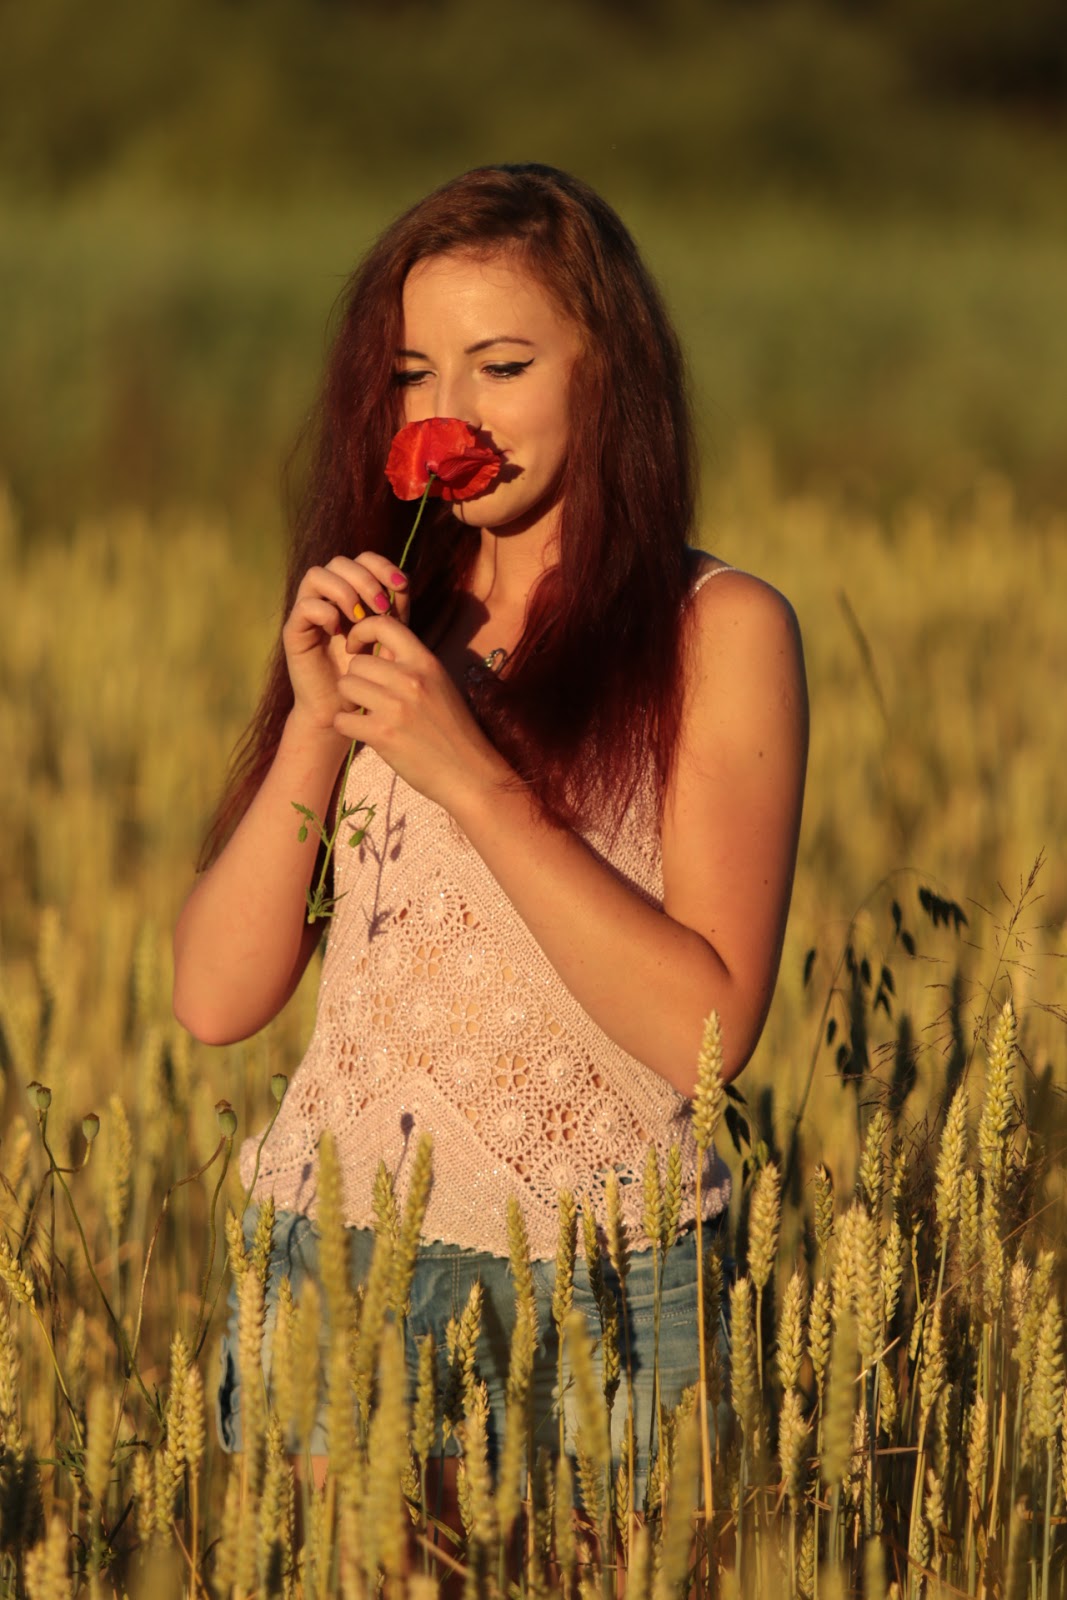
(856, 210)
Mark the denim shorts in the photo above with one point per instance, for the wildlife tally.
(442, 1281)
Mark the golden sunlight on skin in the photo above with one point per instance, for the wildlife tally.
(483, 341)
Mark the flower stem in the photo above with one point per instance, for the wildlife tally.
(320, 908)
(430, 481)
(128, 1356)
(201, 1325)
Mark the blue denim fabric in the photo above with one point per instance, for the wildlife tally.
(442, 1282)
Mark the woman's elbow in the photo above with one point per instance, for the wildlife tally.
(741, 1020)
(206, 1022)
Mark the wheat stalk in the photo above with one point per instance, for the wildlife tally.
(48, 1565)
(305, 1384)
(951, 1161)
(872, 1168)
(409, 1230)
(824, 1211)
(997, 1107)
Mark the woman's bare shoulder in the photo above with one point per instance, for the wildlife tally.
(751, 602)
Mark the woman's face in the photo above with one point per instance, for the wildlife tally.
(483, 341)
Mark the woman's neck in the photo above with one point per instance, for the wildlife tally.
(508, 565)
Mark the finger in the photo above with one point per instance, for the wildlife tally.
(316, 616)
(355, 591)
(364, 697)
(367, 675)
(329, 584)
(388, 631)
(354, 725)
(377, 581)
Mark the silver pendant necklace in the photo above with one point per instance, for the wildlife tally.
(490, 664)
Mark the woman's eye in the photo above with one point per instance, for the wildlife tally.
(408, 379)
(507, 369)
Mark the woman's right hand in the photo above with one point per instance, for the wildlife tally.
(315, 631)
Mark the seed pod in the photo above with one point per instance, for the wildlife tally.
(763, 1224)
(333, 1242)
(618, 1244)
(709, 1102)
(806, 1560)
(819, 1331)
(383, 1202)
(671, 1211)
(744, 1395)
(888, 1405)
(409, 1232)
(872, 1171)
(791, 1332)
(997, 1106)
(250, 1317)
(385, 1517)
(227, 1117)
(893, 1254)
(566, 1247)
(874, 1570)
(840, 1402)
(935, 1514)
(306, 1384)
(591, 1411)
(992, 1264)
(977, 1449)
(824, 1209)
(262, 1241)
(932, 1373)
(563, 1519)
(194, 1430)
(1046, 1383)
(951, 1160)
(48, 1564)
(792, 1438)
(970, 1238)
(116, 1169)
(98, 1459)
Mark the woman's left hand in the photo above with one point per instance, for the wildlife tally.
(414, 716)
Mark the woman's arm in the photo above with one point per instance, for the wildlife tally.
(242, 941)
(647, 978)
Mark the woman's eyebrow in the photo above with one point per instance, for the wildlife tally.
(500, 338)
(473, 349)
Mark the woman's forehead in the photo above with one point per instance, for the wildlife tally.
(467, 288)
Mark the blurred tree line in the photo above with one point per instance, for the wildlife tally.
(848, 98)
(855, 206)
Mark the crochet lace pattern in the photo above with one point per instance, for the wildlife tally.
(438, 1012)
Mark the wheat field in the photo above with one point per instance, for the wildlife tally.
(895, 1412)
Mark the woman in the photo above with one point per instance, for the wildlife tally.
(584, 743)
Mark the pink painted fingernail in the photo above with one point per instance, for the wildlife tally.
(398, 580)
(381, 602)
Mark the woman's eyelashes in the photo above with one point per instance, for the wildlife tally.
(507, 369)
(412, 377)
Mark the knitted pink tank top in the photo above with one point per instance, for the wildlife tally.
(438, 1012)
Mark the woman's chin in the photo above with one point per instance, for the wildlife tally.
(503, 520)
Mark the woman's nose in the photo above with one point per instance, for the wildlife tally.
(456, 398)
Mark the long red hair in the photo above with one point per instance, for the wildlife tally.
(592, 697)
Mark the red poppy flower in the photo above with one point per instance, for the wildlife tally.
(446, 449)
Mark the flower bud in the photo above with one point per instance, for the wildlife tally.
(40, 1094)
(90, 1127)
(227, 1118)
(278, 1085)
